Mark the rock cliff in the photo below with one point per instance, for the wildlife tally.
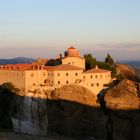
(124, 96)
(127, 72)
(75, 112)
(121, 104)
(30, 114)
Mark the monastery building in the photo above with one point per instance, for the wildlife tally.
(71, 71)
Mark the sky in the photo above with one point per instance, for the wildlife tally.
(44, 28)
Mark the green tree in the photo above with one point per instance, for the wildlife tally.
(90, 61)
(53, 62)
(107, 66)
(65, 53)
(109, 60)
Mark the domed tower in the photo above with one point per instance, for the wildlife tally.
(73, 52)
(73, 57)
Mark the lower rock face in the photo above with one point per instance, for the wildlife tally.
(121, 105)
(73, 111)
(30, 115)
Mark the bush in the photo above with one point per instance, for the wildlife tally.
(107, 66)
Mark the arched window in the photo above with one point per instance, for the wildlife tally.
(58, 74)
(67, 82)
(67, 74)
(76, 74)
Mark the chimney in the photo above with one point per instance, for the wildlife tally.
(96, 67)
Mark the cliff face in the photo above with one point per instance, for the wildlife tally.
(30, 114)
(74, 111)
(122, 107)
(124, 96)
(127, 72)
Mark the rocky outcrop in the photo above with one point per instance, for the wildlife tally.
(138, 71)
(7, 99)
(124, 96)
(75, 93)
(73, 111)
(127, 72)
(30, 115)
(122, 107)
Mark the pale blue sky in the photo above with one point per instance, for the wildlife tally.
(41, 28)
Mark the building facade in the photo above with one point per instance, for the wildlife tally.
(71, 71)
(23, 76)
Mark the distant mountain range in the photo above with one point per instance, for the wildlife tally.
(24, 60)
(16, 60)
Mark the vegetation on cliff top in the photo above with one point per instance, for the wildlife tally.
(108, 63)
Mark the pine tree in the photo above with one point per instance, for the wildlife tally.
(109, 60)
(89, 61)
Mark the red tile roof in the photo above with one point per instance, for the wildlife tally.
(64, 67)
(73, 56)
(71, 47)
(16, 67)
(95, 70)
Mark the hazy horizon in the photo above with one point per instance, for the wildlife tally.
(97, 51)
(44, 28)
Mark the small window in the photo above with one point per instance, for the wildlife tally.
(67, 82)
(68, 62)
(84, 77)
(58, 82)
(67, 74)
(92, 85)
(97, 84)
(76, 74)
(51, 74)
(58, 74)
(96, 76)
(48, 74)
(44, 74)
(101, 76)
(32, 74)
(91, 76)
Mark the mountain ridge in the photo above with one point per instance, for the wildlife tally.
(16, 60)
